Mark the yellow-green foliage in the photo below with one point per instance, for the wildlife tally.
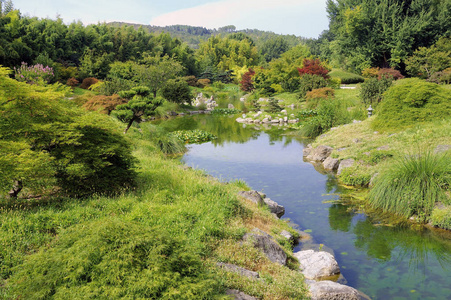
(411, 101)
(441, 217)
(161, 241)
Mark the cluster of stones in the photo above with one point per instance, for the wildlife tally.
(261, 118)
(210, 103)
(322, 154)
(315, 265)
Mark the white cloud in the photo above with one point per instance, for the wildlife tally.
(284, 16)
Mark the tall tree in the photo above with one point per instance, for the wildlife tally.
(384, 33)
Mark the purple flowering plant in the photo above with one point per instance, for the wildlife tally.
(35, 74)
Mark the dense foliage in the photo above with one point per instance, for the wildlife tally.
(385, 33)
(48, 145)
(411, 101)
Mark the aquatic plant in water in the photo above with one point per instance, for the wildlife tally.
(194, 136)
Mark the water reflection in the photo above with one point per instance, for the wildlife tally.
(382, 261)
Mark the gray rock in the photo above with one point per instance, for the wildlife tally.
(331, 164)
(263, 241)
(307, 150)
(237, 295)
(263, 195)
(230, 106)
(253, 196)
(274, 207)
(320, 153)
(356, 141)
(238, 270)
(316, 265)
(442, 148)
(265, 120)
(329, 290)
(346, 163)
(287, 235)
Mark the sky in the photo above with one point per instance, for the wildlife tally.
(306, 18)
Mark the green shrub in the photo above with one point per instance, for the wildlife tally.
(346, 77)
(329, 114)
(113, 259)
(315, 96)
(273, 105)
(441, 217)
(411, 101)
(177, 91)
(412, 185)
(309, 82)
(353, 176)
(372, 89)
(377, 156)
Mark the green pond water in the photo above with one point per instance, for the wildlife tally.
(381, 261)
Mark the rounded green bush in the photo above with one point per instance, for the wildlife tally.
(411, 101)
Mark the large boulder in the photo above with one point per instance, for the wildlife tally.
(320, 153)
(274, 207)
(263, 241)
(329, 290)
(317, 264)
(331, 164)
(252, 196)
(346, 163)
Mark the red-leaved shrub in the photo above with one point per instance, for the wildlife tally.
(87, 82)
(313, 67)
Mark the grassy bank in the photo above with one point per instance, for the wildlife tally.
(162, 240)
(376, 154)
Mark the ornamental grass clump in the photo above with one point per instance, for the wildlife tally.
(413, 185)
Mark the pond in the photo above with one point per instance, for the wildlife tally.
(384, 262)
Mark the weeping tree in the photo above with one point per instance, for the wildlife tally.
(140, 106)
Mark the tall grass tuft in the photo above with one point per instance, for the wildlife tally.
(166, 142)
(413, 185)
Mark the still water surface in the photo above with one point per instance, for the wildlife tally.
(383, 262)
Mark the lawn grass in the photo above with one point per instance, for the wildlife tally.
(192, 219)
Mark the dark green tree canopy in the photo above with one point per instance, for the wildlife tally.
(384, 33)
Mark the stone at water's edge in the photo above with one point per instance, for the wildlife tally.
(253, 196)
(274, 207)
(331, 164)
(346, 163)
(329, 290)
(320, 153)
(263, 241)
(316, 265)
